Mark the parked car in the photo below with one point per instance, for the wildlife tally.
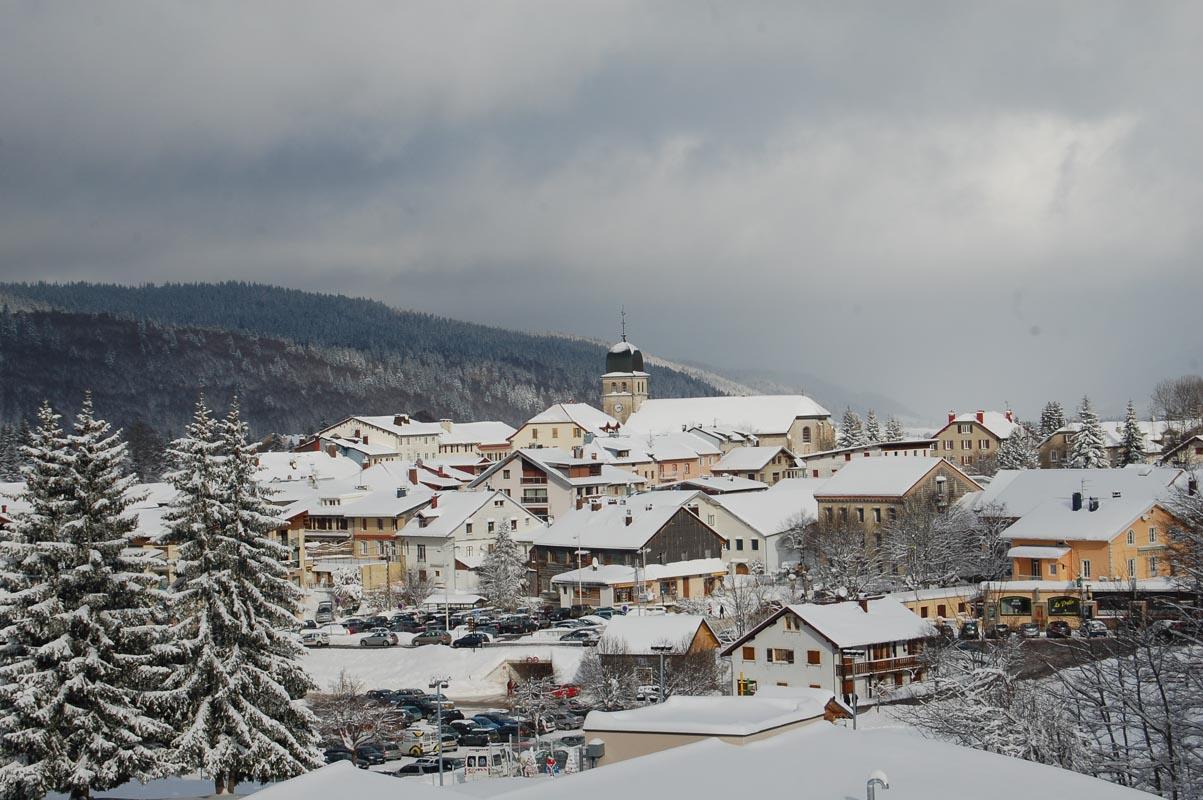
(378, 621)
(580, 610)
(572, 740)
(566, 721)
(418, 742)
(944, 630)
(473, 640)
(315, 639)
(971, 630)
(417, 768)
(415, 712)
(1029, 630)
(605, 612)
(999, 631)
(479, 737)
(517, 624)
(325, 611)
(585, 636)
(338, 754)
(368, 755)
(1058, 629)
(431, 637)
(378, 639)
(353, 624)
(1094, 629)
(506, 725)
(565, 691)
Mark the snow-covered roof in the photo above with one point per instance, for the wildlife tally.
(452, 598)
(720, 484)
(1014, 493)
(1120, 584)
(614, 574)
(757, 414)
(880, 477)
(456, 508)
(623, 347)
(487, 432)
(410, 428)
(632, 635)
(771, 512)
(283, 467)
(912, 595)
(359, 446)
(342, 779)
(582, 415)
(826, 761)
(1113, 433)
(373, 503)
(1036, 551)
(997, 422)
(674, 446)
(714, 716)
(1056, 520)
(606, 527)
(848, 625)
(555, 463)
(749, 459)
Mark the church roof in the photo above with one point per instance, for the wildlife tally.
(624, 357)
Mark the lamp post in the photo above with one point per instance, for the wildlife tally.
(439, 684)
(661, 649)
(580, 590)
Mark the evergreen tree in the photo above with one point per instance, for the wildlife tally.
(147, 450)
(79, 621)
(1088, 450)
(872, 428)
(852, 433)
(238, 676)
(1018, 451)
(1052, 419)
(503, 572)
(1132, 439)
(894, 432)
(10, 454)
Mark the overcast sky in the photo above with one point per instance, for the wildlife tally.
(954, 204)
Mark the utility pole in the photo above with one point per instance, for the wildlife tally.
(439, 684)
(661, 649)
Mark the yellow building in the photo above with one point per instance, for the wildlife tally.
(971, 440)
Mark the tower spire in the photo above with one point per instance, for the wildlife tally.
(623, 317)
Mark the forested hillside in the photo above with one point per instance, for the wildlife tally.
(297, 358)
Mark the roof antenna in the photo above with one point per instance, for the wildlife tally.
(623, 316)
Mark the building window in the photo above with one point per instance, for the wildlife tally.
(505, 474)
(1152, 535)
(814, 657)
(555, 433)
(860, 515)
(806, 434)
(421, 552)
(492, 526)
(830, 514)
(363, 548)
(1152, 566)
(755, 544)
(877, 515)
(923, 612)
(468, 528)
(1052, 568)
(1131, 537)
(739, 544)
(749, 654)
(1085, 568)
(778, 655)
(789, 622)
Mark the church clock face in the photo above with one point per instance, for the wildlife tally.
(618, 407)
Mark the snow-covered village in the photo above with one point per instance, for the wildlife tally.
(534, 399)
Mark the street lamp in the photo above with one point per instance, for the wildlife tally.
(439, 684)
(580, 589)
(661, 649)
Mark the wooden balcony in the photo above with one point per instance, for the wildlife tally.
(878, 666)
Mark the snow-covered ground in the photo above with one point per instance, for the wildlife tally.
(473, 674)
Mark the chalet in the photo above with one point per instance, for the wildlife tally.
(754, 523)
(873, 491)
(848, 648)
(709, 484)
(1188, 453)
(657, 458)
(766, 464)
(411, 440)
(550, 482)
(645, 530)
(615, 585)
(564, 425)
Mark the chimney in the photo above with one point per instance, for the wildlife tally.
(413, 475)
(1010, 415)
(1076, 503)
(365, 438)
(578, 452)
(402, 491)
(864, 604)
(981, 416)
(580, 503)
(434, 501)
(445, 424)
(630, 517)
(952, 417)
(400, 419)
(4, 509)
(595, 505)
(331, 451)
(593, 456)
(1094, 504)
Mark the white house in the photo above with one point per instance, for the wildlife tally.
(850, 647)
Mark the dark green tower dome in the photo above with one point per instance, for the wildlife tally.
(624, 357)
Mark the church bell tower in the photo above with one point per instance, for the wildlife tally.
(624, 386)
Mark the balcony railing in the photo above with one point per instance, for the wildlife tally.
(876, 666)
(540, 481)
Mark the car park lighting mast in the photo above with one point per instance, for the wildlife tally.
(661, 649)
(439, 684)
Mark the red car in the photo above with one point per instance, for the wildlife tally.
(565, 691)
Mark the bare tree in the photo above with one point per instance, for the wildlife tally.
(351, 718)
(744, 600)
(924, 546)
(607, 681)
(413, 589)
(840, 558)
(1179, 402)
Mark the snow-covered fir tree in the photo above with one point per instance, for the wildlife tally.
(10, 454)
(852, 433)
(894, 432)
(1019, 450)
(1132, 439)
(503, 572)
(872, 428)
(79, 620)
(1052, 419)
(237, 680)
(1088, 448)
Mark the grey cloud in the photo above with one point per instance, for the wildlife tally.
(859, 191)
